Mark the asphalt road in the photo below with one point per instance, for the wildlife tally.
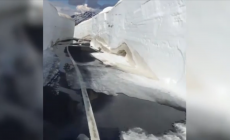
(65, 118)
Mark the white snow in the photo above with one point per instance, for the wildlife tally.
(55, 27)
(154, 32)
(83, 29)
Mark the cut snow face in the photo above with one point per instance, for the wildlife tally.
(152, 31)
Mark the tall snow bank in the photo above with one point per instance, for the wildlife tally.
(56, 26)
(50, 65)
(152, 33)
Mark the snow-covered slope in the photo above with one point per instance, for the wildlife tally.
(152, 33)
(80, 17)
(56, 26)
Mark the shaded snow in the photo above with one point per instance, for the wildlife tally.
(154, 32)
(50, 65)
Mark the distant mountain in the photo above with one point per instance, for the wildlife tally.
(63, 8)
(83, 16)
(79, 14)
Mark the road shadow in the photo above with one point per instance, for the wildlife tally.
(81, 54)
(124, 112)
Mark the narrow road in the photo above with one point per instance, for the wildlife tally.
(113, 114)
(88, 109)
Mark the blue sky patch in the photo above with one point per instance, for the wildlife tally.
(91, 3)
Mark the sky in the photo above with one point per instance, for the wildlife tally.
(101, 4)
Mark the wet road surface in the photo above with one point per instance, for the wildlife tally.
(65, 119)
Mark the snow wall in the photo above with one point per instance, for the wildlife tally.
(56, 26)
(151, 32)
